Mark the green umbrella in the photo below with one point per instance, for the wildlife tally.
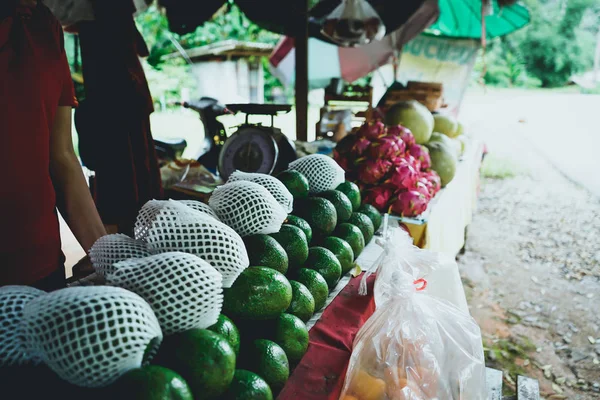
(462, 19)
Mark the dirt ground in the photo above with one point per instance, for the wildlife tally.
(532, 266)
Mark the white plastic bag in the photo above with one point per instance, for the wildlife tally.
(441, 271)
(353, 23)
(415, 346)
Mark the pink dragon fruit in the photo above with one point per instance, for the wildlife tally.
(409, 203)
(345, 145)
(372, 130)
(343, 160)
(404, 133)
(413, 161)
(379, 197)
(434, 180)
(421, 153)
(360, 146)
(428, 184)
(373, 171)
(404, 175)
(387, 147)
(423, 188)
(363, 187)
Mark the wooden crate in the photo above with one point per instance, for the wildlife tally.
(430, 94)
(355, 98)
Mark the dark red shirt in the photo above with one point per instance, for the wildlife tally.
(34, 81)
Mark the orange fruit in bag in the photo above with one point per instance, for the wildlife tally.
(348, 397)
(421, 384)
(367, 387)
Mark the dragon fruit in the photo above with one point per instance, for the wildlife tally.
(403, 175)
(379, 197)
(428, 184)
(409, 203)
(387, 147)
(345, 145)
(413, 162)
(434, 179)
(343, 160)
(404, 133)
(373, 171)
(421, 153)
(360, 146)
(423, 188)
(372, 130)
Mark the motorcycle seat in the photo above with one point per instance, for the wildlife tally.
(172, 147)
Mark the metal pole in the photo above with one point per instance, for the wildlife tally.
(301, 81)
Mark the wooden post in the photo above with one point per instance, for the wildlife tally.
(301, 80)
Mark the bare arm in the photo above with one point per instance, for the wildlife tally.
(72, 193)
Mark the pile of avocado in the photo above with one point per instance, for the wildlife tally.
(261, 334)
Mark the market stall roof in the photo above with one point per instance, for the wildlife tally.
(280, 16)
(227, 48)
(461, 19)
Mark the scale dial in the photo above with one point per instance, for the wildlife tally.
(249, 149)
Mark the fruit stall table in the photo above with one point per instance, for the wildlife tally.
(321, 372)
(442, 227)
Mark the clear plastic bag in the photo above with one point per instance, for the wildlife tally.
(415, 346)
(353, 23)
(441, 272)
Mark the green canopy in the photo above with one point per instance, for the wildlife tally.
(462, 19)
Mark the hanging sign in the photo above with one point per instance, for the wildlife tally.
(435, 59)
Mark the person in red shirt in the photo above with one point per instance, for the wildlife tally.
(40, 170)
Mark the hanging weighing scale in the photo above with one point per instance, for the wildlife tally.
(255, 147)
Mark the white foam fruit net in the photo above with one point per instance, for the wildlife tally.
(184, 291)
(146, 216)
(272, 184)
(12, 341)
(322, 172)
(111, 249)
(179, 228)
(248, 208)
(201, 207)
(90, 336)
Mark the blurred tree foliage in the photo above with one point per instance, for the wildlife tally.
(559, 42)
(229, 23)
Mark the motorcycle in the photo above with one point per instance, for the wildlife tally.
(208, 109)
(251, 148)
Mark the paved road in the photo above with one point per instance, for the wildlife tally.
(564, 128)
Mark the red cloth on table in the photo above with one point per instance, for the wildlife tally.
(321, 372)
(34, 81)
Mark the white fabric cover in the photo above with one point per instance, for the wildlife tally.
(12, 346)
(322, 172)
(248, 208)
(90, 336)
(184, 291)
(453, 207)
(179, 228)
(111, 249)
(272, 184)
